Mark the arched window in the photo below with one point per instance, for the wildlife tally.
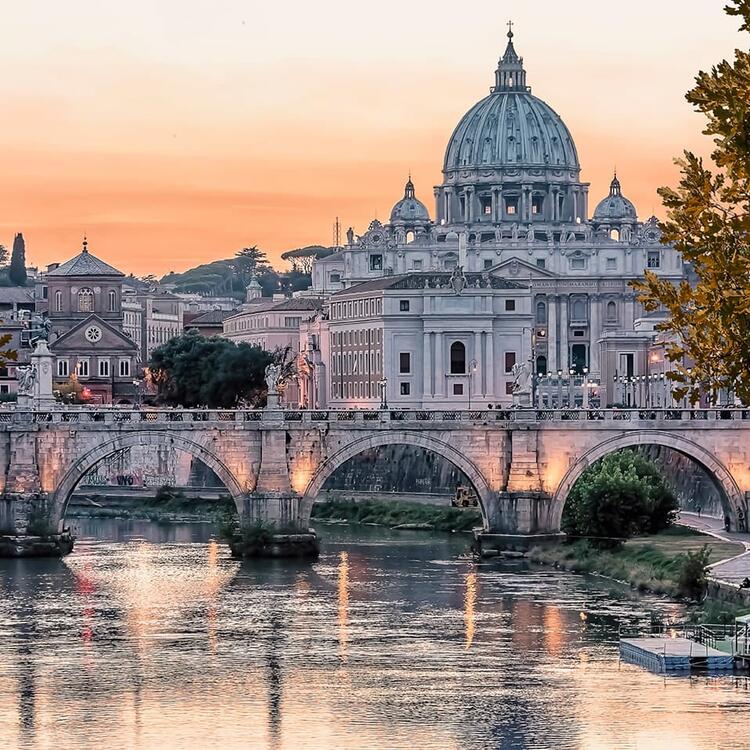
(614, 234)
(86, 300)
(112, 300)
(58, 301)
(579, 309)
(458, 358)
(541, 365)
(611, 311)
(541, 312)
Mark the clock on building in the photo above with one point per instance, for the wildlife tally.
(93, 334)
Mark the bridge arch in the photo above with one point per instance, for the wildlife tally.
(732, 497)
(89, 460)
(400, 437)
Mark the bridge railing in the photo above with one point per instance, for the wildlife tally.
(149, 416)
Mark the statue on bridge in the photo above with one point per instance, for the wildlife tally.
(273, 375)
(522, 384)
(26, 380)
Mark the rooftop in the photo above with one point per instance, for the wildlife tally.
(85, 264)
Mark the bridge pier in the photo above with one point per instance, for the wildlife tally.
(26, 529)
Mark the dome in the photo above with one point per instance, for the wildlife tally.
(409, 210)
(615, 207)
(511, 127)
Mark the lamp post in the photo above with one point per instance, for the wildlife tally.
(472, 370)
(571, 388)
(585, 387)
(559, 389)
(383, 385)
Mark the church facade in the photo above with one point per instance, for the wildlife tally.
(512, 211)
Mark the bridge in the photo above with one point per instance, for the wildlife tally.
(522, 463)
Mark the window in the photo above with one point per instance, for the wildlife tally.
(611, 264)
(292, 322)
(335, 278)
(45, 292)
(510, 305)
(124, 368)
(449, 264)
(578, 333)
(612, 312)
(578, 357)
(403, 305)
(376, 262)
(417, 265)
(509, 389)
(510, 361)
(541, 313)
(405, 389)
(404, 362)
(537, 204)
(86, 300)
(614, 234)
(458, 389)
(103, 368)
(578, 264)
(458, 358)
(62, 368)
(487, 263)
(579, 309)
(58, 301)
(541, 365)
(112, 300)
(511, 206)
(541, 263)
(486, 204)
(82, 368)
(653, 259)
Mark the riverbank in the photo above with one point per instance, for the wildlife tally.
(652, 564)
(398, 515)
(170, 510)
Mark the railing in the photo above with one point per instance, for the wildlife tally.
(120, 415)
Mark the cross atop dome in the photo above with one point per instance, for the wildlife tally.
(510, 74)
(615, 188)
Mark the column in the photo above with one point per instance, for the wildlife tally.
(449, 205)
(490, 365)
(494, 204)
(563, 355)
(552, 359)
(499, 206)
(595, 332)
(426, 368)
(439, 214)
(439, 366)
(477, 385)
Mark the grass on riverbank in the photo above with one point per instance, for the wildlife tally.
(393, 514)
(648, 564)
(170, 509)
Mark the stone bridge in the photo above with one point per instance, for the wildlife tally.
(522, 463)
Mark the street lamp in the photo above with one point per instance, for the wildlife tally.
(472, 370)
(383, 384)
(559, 389)
(571, 388)
(585, 387)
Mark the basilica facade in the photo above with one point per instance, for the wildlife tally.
(512, 219)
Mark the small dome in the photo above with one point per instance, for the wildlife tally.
(615, 207)
(409, 210)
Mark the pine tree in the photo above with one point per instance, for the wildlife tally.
(708, 221)
(17, 269)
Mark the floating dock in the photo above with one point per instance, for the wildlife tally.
(673, 654)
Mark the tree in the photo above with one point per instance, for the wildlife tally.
(249, 262)
(17, 270)
(192, 370)
(3, 255)
(618, 497)
(708, 221)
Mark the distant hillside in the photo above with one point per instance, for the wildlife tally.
(229, 277)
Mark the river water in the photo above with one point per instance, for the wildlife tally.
(151, 636)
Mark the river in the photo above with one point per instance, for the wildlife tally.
(151, 636)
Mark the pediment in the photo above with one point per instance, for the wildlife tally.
(76, 340)
(517, 268)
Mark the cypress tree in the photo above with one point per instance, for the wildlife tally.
(17, 270)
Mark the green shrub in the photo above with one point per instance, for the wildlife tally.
(692, 580)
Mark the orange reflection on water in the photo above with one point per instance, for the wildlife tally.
(470, 602)
(343, 604)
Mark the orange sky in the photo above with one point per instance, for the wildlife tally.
(174, 133)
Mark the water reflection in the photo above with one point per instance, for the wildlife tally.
(389, 641)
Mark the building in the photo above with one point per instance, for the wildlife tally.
(512, 206)
(207, 324)
(84, 297)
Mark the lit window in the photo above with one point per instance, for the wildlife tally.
(511, 206)
(103, 368)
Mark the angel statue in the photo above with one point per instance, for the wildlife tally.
(273, 373)
(521, 378)
(26, 379)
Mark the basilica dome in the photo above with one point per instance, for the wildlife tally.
(409, 210)
(615, 207)
(511, 127)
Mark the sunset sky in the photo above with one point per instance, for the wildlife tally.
(174, 133)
